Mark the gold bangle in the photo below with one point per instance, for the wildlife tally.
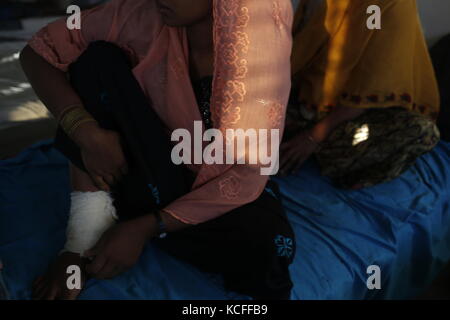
(73, 118)
(78, 124)
(67, 109)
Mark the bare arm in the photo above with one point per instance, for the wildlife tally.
(100, 149)
(295, 151)
(50, 84)
(52, 87)
(323, 129)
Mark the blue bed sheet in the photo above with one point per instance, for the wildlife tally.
(402, 226)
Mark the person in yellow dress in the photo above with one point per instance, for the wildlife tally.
(364, 102)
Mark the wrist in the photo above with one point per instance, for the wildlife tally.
(149, 226)
(75, 121)
(84, 135)
(161, 225)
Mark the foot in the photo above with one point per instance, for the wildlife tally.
(53, 285)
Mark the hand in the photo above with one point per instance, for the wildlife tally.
(295, 152)
(120, 247)
(53, 284)
(102, 155)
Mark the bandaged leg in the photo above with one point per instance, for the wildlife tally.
(91, 214)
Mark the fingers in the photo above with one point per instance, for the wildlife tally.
(39, 288)
(105, 181)
(102, 267)
(94, 251)
(96, 265)
(37, 281)
(36, 288)
(44, 290)
(109, 270)
(115, 176)
(40, 292)
(286, 159)
(120, 171)
(298, 165)
(70, 295)
(100, 183)
(109, 179)
(52, 293)
(289, 164)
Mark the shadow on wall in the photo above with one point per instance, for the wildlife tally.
(434, 15)
(440, 54)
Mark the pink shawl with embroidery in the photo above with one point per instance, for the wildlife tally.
(252, 40)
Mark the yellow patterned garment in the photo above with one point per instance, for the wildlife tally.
(338, 61)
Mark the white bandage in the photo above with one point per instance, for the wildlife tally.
(91, 214)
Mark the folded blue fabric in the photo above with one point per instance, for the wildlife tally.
(402, 226)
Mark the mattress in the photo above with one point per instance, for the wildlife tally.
(402, 227)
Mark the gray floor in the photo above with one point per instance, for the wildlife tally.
(23, 118)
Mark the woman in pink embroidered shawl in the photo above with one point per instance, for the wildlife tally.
(174, 47)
